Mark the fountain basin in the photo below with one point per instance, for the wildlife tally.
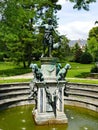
(20, 118)
(82, 95)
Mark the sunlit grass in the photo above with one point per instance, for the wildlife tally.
(11, 69)
(14, 80)
(85, 81)
(75, 74)
(79, 70)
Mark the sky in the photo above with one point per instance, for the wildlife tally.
(75, 24)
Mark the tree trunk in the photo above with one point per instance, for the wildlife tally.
(24, 64)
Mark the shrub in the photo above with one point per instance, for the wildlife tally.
(1, 57)
(94, 69)
(86, 58)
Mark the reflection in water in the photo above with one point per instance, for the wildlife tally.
(20, 118)
(51, 127)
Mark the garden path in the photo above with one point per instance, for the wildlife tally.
(23, 76)
(30, 76)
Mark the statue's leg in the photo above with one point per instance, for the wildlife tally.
(50, 45)
(44, 48)
(50, 51)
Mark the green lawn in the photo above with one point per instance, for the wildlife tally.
(14, 80)
(78, 73)
(80, 80)
(11, 69)
(79, 70)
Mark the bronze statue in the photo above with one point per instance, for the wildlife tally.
(62, 72)
(37, 72)
(52, 99)
(48, 40)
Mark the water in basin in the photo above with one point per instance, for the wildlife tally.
(20, 118)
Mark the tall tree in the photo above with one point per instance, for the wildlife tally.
(93, 42)
(18, 18)
(77, 52)
(64, 49)
(18, 30)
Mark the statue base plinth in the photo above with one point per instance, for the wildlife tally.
(48, 67)
(49, 95)
(49, 118)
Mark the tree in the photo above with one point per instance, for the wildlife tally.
(17, 30)
(63, 50)
(3, 49)
(86, 58)
(19, 35)
(77, 52)
(93, 42)
(79, 4)
(18, 18)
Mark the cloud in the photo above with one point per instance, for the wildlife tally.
(76, 30)
(62, 2)
(76, 24)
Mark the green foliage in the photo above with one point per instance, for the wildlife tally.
(93, 43)
(17, 31)
(3, 47)
(63, 50)
(94, 69)
(77, 52)
(86, 58)
(79, 4)
(19, 35)
(78, 55)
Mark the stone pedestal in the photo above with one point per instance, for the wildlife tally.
(50, 97)
(48, 67)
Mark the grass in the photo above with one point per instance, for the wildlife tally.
(14, 80)
(11, 69)
(75, 74)
(79, 70)
(85, 81)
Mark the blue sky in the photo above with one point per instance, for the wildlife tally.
(75, 24)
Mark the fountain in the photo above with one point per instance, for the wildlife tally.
(49, 85)
(20, 118)
(48, 88)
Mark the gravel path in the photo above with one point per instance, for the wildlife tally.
(24, 76)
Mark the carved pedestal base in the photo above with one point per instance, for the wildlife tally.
(49, 96)
(49, 118)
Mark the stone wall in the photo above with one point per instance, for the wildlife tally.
(83, 95)
(14, 95)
